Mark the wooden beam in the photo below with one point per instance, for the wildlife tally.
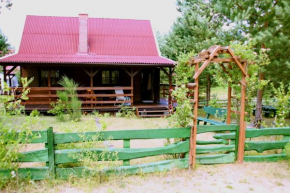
(170, 87)
(11, 70)
(224, 68)
(229, 104)
(4, 73)
(48, 79)
(167, 73)
(242, 130)
(137, 71)
(206, 63)
(242, 67)
(132, 85)
(192, 152)
(92, 79)
(229, 100)
(88, 73)
(96, 72)
(130, 74)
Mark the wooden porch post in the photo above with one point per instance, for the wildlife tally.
(91, 74)
(49, 85)
(92, 78)
(4, 73)
(132, 87)
(170, 87)
(242, 130)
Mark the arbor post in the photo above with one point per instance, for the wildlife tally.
(192, 153)
(242, 130)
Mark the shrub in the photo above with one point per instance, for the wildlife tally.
(34, 113)
(68, 101)
(126, 111)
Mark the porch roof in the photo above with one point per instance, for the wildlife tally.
(86, 59)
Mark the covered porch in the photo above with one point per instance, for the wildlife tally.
(105, 88)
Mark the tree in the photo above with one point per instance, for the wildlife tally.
(7, 3)
(4, 46)
(199, 28)
(267, 22)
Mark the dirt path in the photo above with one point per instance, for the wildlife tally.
(249, 177)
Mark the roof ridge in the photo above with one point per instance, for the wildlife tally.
(90, 17)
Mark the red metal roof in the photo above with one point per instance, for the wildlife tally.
(55, 40)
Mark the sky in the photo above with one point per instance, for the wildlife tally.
(162, 13)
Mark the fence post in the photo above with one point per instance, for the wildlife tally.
(126, 144)
(50, 148)
(237, 141)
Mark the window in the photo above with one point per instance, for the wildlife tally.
(54, 77)
(110, 77)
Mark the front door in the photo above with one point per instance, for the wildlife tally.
(147, 82)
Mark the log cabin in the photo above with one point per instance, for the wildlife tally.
(101, 55)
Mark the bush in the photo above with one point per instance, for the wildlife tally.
(68, 101)
(34, 113)
(126, 111)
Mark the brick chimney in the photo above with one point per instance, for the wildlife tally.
(83, 33)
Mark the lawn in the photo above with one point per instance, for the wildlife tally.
(256, 177)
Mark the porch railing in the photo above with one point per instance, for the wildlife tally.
(164, 91)
(90, 96)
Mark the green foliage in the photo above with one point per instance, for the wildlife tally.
(183, 112)
(282, 105)
(4, 46)
(267, 22)
(10, 103)
(107, 115)
(34, 113)
(214, 102)
(68, 101)
(88, 159)
(14, 132)
(126, 111)
(58, 109)
(199, 28)
(255, 62)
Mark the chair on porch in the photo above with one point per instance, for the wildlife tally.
(121, 98)
(90, 98)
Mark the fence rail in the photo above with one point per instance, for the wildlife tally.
(261, 146)
(222, 149)
(53, 157)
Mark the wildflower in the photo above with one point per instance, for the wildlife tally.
(13, 174)
(173, 74)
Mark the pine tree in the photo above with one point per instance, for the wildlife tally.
(267, 22)
(3, 45)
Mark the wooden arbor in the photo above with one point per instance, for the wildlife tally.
(212, 55)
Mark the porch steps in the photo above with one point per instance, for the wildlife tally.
(152, 112)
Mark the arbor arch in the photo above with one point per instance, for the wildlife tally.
(206, 57)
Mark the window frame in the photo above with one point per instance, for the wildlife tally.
(112, 81)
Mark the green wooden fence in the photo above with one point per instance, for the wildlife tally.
(209, 152)
(254, 142)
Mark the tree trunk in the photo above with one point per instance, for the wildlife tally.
(258, 115)
(208, 89)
